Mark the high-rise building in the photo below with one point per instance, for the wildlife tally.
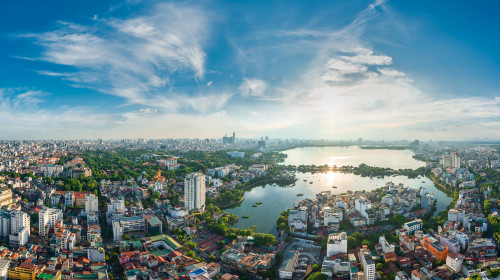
(368, 264)
(16, 226)
(451, 161)
(91, 203)
(194, 192)
(228, 139)
(18, 220)
(47, 218)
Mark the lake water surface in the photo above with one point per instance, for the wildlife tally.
(352, 155)
(275, 199)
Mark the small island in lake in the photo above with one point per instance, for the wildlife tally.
(300, 194)
(245, 216)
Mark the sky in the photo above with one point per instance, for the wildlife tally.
(287, 69)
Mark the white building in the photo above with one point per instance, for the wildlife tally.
(386, 247)
(69, 199)
(337, 243)
(21, 237)
(91, 203)
(194, 192)
(401, 275)
(452, 243)
(297, 218)
(413, 226)
(368, 264)
(362, 205)
(454, 261)
(117, 231)
(47, 219)
(18, 220)
(96, 254)
(115, 205)
(298, 214)
(463, 239)
(4, 269)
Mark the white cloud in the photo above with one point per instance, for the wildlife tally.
(22, 117)
(136, 58)
(253, 87)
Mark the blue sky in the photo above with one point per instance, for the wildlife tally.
(290, 69)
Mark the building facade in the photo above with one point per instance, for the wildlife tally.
(194, 192)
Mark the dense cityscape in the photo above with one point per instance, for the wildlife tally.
(158, 209)
(249, 140)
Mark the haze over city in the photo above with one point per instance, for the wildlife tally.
(332, 70)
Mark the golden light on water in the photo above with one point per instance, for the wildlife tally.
(330, 176)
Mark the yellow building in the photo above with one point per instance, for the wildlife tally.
(25, 271)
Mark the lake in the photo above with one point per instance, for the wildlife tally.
(352, 155)
(275, 199)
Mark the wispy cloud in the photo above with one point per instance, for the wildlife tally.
(136, 58)
(253, 87)
(349, 90)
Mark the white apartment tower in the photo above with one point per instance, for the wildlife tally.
(47, 219)
(18, 220)
(368, 264)
(194, 192)
(91, 203)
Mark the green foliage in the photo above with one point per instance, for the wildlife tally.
(279, 256)
(191, 244)
(264, 239)
(324, 242)
(315, 267)
(191, 254)
(487, 206)
(352, 242)
(397, 220)
(438, 263)
(269, 274)
(317, 276)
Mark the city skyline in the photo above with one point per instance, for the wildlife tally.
(168, 69)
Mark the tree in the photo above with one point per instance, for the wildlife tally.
(191, 254)
(379, 266)
(398, 220)
(191, 244)
(269, 274)
(315, 267)
(317, 276)
(368, 243)
(352, 242)
(324, 242)
(487, 206)
(264, 239)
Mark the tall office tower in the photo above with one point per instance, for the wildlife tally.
(194, 192)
